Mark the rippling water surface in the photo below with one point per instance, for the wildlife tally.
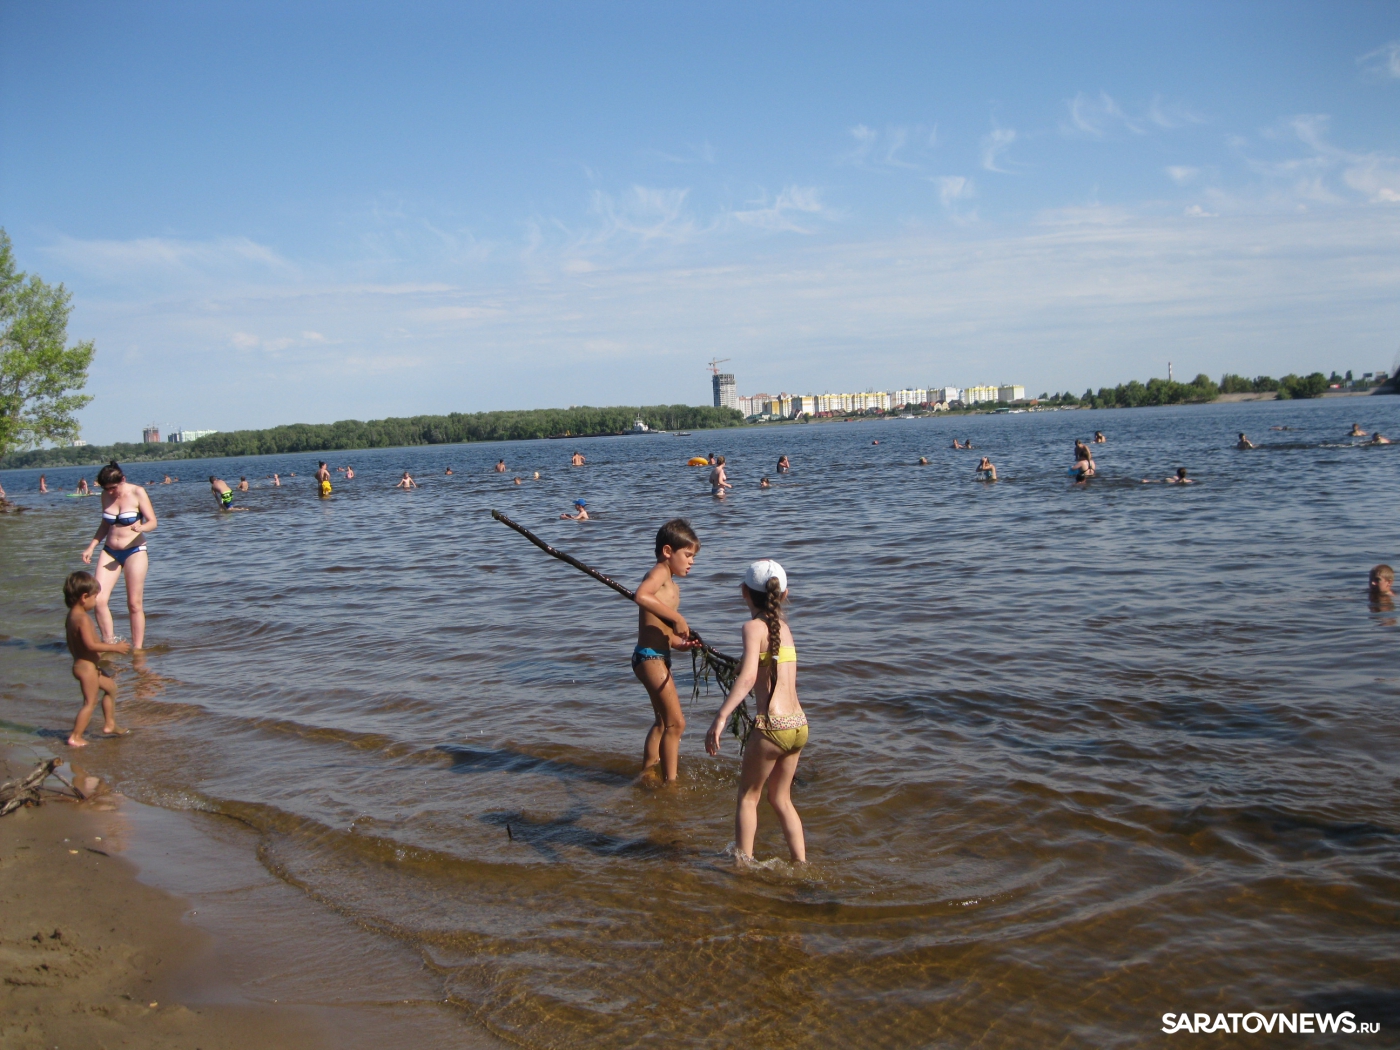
(1079, 756)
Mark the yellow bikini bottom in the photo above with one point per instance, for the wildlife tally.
(787, 732)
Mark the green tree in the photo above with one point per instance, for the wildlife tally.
(39, 372)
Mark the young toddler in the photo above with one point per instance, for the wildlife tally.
(80, 593)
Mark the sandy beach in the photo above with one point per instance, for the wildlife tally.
(94, 956)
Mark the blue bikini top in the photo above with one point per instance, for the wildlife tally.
(126, 518)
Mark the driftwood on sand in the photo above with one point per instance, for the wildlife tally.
(26, 791)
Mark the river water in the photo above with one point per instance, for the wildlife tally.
(1080, 755)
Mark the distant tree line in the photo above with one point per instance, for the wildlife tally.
(349, 434)
(1201, 389)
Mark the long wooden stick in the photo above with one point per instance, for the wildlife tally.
(581, 567)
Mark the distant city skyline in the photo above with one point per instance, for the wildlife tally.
(266, 215)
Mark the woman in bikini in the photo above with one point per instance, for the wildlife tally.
(769, 667)
(127, 515)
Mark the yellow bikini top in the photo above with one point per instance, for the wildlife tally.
(787, 654)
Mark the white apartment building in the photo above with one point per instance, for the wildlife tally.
(1011, 393)
(914, 396)
(976, 395)
(944, 394)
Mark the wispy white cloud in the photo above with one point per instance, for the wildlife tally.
(1195, 211)
(1326, 171)
(1170, 115)
(1383, 63)
(994, 144)
(647, 213)
(1181, 174)
(897, 147)
(787, 212)
(148, 258)
(1097, 117)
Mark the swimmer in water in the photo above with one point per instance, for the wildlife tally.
(276, 481)
(167, 480)
(349, 473)
(517, 480)
(957, 443)
(1099, 439)
(1244, 443)
(923, 461)
(222, 493)
(719, 480)
(783, 465)
(581, 505)
(43, 483)
(82, 489)
(500, 466)
(323, 480)
(448, 470)
(1356, 431)
(537, 476)
(764, 483)
(985, 471)
(406, 482)
(242, 484)
(1180, 479)
(576, 460)
(1381, 582)
(1378, 439)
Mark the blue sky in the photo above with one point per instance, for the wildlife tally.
(271, 213)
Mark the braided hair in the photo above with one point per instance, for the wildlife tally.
(771, 609)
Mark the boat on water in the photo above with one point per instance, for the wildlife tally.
(680, 433)
(639, 427)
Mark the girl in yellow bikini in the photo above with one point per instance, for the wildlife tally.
(769, 667)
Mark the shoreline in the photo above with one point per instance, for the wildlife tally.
(125, 923)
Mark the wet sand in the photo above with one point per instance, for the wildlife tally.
(91, 954)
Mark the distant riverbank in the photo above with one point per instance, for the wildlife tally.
(352, 434)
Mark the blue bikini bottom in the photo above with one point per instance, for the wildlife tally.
(120, 556)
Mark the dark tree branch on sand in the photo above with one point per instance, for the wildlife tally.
(15, 794)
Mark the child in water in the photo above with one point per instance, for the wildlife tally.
(661, 628)
(80, 593)
(1380, 583)
(769, 667)
(581, 505)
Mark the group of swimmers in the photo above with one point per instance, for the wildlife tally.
(1377, 438)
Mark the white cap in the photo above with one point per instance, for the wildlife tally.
(760, 572)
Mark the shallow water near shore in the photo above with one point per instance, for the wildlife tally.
(1080, 755)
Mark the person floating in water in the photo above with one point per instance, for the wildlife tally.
(242, 484)
(1244, 443)
(80, 594)
(349, 473)
(577, 460)
(448, 471)
(276, 481)
(1180, 479)
(406, 482)
(500, 466)
(1378, 439)
(580, 505)
(783, 465)
(1381, 583)
(1099, 439)
(167, 480)
(82, 489)
(923, 461)
(764, 483)
(985, 470)
(957, 443)
(1356, 431)
(719, 480)
(771, 752)
(537, 476)
(661, 628)
(517, 480)
(323, 480)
